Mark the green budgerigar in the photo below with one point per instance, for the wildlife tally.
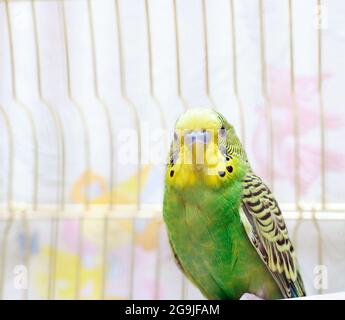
(224, 225)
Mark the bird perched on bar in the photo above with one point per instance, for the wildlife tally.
(225, 227)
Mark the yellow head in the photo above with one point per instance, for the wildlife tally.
(205, 150)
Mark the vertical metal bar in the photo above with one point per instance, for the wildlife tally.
(158, 263)
(322, 111)
(181, 98)
(207, 62)
(234, 73)
(164, 127)
(295, 119)
(86, 140)
(319, 244)
(25, 109)
(60, 144)
(111, 150)
(152, 88)
(294, 112)
(136, 119)
(178, 58)
(9, 221)
(265, 94)
(322, 140)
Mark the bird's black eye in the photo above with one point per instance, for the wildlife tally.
(221, 173)
(230, 168)
(172, 173)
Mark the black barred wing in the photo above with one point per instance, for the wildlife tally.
(266, 229)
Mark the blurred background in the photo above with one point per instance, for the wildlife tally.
(89, 94)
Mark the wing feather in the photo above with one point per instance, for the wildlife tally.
(266, 229)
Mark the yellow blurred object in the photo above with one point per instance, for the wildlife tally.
(122, 193)
(148, 239)
(67, 262)
(118, 230)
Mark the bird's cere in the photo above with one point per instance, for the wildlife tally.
(197, 136)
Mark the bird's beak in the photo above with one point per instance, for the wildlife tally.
(196, 137)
